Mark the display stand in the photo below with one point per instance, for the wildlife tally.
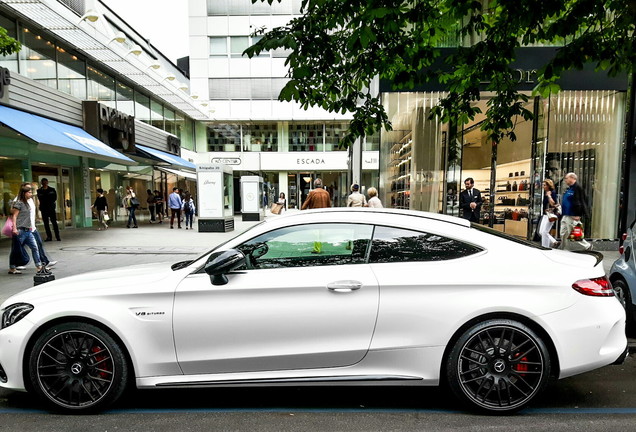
(215, 196)
(252, 198)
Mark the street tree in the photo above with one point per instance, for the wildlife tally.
(337, 47)
(8, 45)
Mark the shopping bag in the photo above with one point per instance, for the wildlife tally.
(106, 217)
(7, 229)
(276, 208)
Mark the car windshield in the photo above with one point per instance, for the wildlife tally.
(177, 265)
(500, 234)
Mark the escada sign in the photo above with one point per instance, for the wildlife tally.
(313, 161)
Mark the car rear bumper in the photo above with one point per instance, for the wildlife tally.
(588, 335)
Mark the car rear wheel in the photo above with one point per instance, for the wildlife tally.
(77, 367)
(498, 366)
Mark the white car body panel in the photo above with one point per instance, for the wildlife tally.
(262, 328)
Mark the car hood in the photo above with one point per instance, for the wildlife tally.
(121, 280)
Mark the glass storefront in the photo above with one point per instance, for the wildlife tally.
(424, 162)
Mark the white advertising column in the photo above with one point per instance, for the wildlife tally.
(252, 198)
(215, 196)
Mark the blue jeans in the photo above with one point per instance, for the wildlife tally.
(131, 216)
(189, 216)
(26, 238)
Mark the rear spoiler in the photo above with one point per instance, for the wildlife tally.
(597, 255)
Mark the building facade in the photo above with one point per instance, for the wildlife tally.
(582, 129)
(252, 131)
(87, 103)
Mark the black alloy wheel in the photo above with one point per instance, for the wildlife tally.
(498, 366)
(77, 367)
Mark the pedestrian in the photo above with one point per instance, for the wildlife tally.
(574, 207)
(23, 213)
(130, 202)
(550, 199)
(159, 205)
(373, 201)
(188, 209)
(47, 196)
(317, 198)
(356, 199)
(282, 201)
(101, 206)
(151, 201)
(470, 201)
(175, 203)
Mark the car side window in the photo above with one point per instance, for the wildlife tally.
(308, 245)
(401, 245)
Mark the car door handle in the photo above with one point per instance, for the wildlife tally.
(344, 286)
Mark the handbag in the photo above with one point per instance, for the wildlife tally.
(577, 232)
(551, 216)
(7, 229)
(106, 217)
(134, 202)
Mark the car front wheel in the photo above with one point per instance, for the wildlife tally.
(498, 366)
(77, 367)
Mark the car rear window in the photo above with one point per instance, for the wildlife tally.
(500, 234)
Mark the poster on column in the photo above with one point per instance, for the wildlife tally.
(210, 191)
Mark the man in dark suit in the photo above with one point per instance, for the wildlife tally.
(47, 197)
(470, 201)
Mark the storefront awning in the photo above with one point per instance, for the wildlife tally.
(59, 137)
(166, 157)
(188, 175)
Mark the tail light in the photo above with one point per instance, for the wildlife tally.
(596, 287)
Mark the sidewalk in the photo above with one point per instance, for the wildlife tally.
(86, 249)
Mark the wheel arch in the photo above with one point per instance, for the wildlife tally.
(533, 325)
(73, 319)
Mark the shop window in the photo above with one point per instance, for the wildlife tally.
(400, 245)
(224, 137)
(306, 137)
(9, 61)
(125, 99)
(156, 114)
(37, 58)
(71, 72)
(260, 137)
(142, 107)
(308, 246)
(101, 87)
(334, 132)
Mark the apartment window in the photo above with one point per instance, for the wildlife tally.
(245, 88)
(238, 44)
(218, 46)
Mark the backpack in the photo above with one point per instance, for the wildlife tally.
(187, 207)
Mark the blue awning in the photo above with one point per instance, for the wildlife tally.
(167, 157)
(59, 137)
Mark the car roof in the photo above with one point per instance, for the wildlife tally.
(388, 211)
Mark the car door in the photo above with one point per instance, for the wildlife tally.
(305, 299)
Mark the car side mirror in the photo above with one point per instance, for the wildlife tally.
(221, 263)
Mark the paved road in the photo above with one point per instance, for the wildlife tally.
(602, 400)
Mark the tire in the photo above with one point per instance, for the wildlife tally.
(77, 368)
(621, 290)
(498, 366)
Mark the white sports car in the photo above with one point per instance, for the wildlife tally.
(332, 296)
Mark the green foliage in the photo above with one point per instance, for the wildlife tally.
(8, 45)
(339, 46)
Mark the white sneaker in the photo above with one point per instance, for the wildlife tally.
(51, 264)
(20, 268)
